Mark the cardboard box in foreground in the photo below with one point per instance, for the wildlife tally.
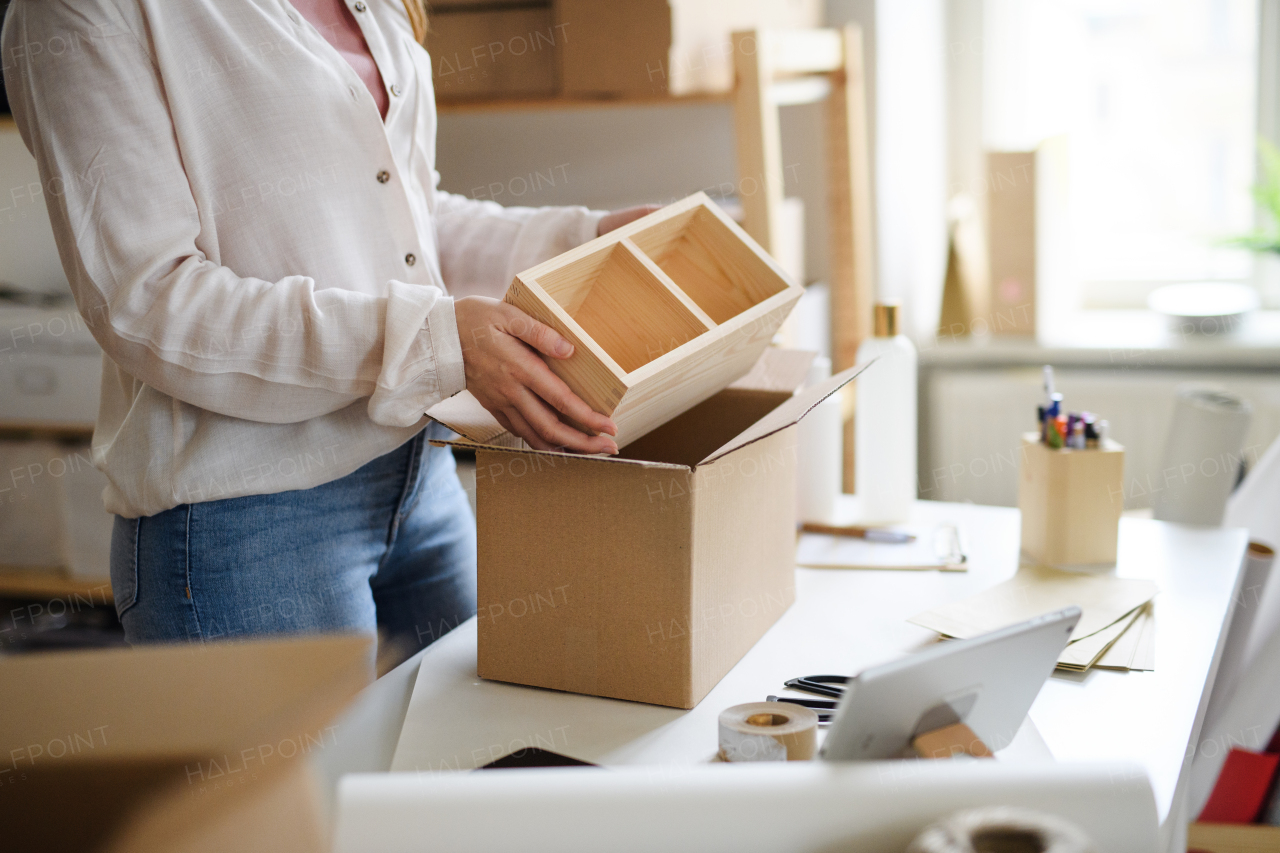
(172, 748)
(645, 576)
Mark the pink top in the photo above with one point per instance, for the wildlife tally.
(338, 26)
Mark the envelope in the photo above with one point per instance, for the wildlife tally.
(1035, 591)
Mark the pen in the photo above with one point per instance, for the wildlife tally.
(871, 534)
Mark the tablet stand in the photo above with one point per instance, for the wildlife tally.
(950, 741)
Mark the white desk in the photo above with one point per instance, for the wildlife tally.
(844, 621)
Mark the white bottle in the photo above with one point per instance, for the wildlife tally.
(885, 423)
(819, 458)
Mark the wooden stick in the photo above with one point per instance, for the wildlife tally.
(842, 530)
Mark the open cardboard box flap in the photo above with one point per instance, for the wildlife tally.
(777, 370)
(790, 412)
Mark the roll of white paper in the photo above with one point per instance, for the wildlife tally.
(1234, 663)
(871, 807)
(1202, 455)
(1245, 701)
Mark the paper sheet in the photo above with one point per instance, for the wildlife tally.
(935, 549)
(1135, 649)
(1144, 658)
(1034, 591)
(1082, 654)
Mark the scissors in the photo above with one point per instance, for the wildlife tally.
(820, 685)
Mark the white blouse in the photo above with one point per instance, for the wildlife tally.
(262, 259)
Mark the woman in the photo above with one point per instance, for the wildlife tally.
(244, 198)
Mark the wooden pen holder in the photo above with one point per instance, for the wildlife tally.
(663, 312)
(1071, 502)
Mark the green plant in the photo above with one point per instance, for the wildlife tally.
(1267, 194)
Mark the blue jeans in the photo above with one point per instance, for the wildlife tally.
(391, 545)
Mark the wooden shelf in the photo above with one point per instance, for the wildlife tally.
(447, 106)
(26, 582)
(11, 430)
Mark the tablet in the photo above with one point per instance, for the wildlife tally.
(986, 682)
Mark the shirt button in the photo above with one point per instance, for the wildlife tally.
(354, 93)
(410, 259)
(384, 176)
(396, 90)
(359, 7)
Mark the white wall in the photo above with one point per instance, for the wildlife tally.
(905, 44)
(615, 156)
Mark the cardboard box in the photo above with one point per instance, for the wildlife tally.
(649, 575)
(663, 312)
(659, 47)
(1071, 502)
(172, 748)
(482, 51)
(589, 48)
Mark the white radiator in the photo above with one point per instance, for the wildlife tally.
(972, 420)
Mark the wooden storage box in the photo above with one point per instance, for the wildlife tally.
(663, 312)
(1071, 502)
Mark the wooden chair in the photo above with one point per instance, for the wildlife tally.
(779, 67)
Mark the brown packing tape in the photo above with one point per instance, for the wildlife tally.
(768, 731)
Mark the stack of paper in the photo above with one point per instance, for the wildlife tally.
(1117, 622)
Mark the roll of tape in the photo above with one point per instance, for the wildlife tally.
(1002, 828)
(768, 731)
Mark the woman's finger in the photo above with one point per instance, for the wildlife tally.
(520, 427)
(540, 336)
(551, 388)
(550, 428)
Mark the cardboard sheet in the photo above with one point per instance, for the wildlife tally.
(1034, 591)
(463, 414)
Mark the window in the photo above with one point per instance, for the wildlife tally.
(1156, 104)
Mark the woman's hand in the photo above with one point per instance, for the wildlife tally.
(515, 386)
(621, 217)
